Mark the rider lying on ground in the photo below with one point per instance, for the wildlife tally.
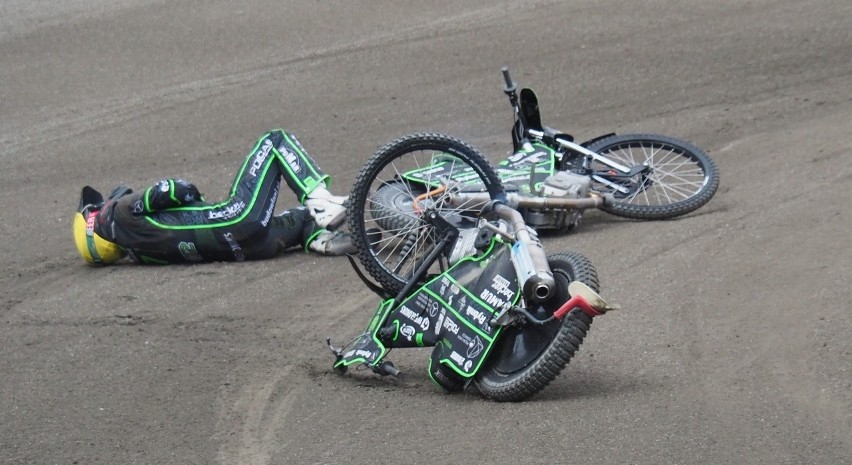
(171, 223)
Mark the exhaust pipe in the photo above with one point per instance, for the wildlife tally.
(530, 260)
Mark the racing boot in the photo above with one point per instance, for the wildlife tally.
(332, 243)
(328, 210)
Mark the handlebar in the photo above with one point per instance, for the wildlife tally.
(510, 87)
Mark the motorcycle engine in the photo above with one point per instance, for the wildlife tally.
(563, 184)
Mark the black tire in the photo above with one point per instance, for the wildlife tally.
(391, 247)
(528, 357)
(682, 179)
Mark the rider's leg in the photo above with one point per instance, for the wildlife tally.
(296, 227)
(308, 181)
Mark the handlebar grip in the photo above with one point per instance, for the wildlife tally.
(510, 85)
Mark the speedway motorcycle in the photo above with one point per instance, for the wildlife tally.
(464, 274)
(552, 180)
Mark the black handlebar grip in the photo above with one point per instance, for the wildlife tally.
(510, 86)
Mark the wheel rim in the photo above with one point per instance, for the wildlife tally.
(675, 174)
(405, 238)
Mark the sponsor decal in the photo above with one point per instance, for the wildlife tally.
(364, 353)
(491, 299)
(260, 157)
(501, 285)
(226, 213)
(293, 160)
(163, 185)
(268, 215)
(138, 207)
(407, 331)
(433, 309)
(189, 252)
(467, 365)
(235, 247)
(529, 157)
(443, 290)
(476, 315)
(408, 313)
(359, 353)
(475, 348)
(451, 325)
(421, 321)
(454, 291)
(440, 321)
(456, 357)
(501, 295)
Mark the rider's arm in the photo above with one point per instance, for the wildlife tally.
(169, 193)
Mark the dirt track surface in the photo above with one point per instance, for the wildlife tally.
(734, 344)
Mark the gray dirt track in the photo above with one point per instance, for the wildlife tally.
(734, 344)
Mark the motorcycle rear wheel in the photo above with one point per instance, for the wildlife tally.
(682, 178)
(392, 243)
(528, 357)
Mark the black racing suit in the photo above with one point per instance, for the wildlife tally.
(170, 223)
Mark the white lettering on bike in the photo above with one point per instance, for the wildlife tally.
(475, 315)
(451, 326)
(440, 321)
(501, 285)
(359, 353)
(421, 321)
(409, 313)
(491, 299)
(260, 157)
(456, 357)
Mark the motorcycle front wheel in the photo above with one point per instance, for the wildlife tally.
(396, 186)
(528, 357)
(680, 177)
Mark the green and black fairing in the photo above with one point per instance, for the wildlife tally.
(451, 312)
(525, 170)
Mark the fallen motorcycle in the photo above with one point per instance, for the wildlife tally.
(552, 180)
(468, 278)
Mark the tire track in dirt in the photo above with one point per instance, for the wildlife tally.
(260, 411)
